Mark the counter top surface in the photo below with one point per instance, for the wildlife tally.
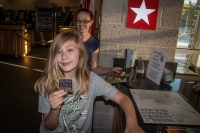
(180, 84)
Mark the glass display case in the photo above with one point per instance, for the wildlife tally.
(61, 15)
(45, 25)
(60, 20)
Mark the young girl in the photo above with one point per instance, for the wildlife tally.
(72, 112)
(84, 20)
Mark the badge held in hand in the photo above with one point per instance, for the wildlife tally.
(66, 85)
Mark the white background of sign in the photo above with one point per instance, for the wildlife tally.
(156, 65)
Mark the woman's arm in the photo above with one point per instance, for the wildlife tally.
(51, 120)
(100, 70)
(129, 110)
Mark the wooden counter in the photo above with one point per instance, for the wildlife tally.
(13, 40)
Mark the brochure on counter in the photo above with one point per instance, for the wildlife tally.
(127, 74)
(130, 56)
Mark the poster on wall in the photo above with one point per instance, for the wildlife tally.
(142, 14)
(156, 65)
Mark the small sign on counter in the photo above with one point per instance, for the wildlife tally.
(156, 65)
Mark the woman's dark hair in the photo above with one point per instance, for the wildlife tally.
(84, 10)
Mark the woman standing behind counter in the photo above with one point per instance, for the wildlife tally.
(84, 20)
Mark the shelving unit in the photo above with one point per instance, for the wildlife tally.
(45, 23)
(45, 20)
(61, 15)
(60, 20)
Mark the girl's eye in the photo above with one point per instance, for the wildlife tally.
(59, 52)
(69, 50)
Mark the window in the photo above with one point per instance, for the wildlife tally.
(188, 43)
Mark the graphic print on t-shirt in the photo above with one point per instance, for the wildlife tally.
(74, 112)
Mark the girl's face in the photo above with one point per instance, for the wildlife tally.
(68, 57)
(83, 22)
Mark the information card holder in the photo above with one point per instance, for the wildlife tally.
(130, 56)
(156, 65)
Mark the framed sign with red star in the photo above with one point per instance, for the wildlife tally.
(142, 14)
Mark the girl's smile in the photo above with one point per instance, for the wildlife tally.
(66, 64)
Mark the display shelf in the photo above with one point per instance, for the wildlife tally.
(45, 22)
(60, 19)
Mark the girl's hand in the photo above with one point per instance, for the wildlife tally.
(196, 87)
(56, 99)
(116, 69)
(133, 129)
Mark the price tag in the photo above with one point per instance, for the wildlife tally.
(66, 85)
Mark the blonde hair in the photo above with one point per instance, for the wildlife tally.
(52, 73)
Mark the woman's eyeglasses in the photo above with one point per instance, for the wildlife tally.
(78, 22)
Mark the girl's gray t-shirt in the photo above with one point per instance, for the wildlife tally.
(76, 112)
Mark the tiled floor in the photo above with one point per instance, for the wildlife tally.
(18, 101)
